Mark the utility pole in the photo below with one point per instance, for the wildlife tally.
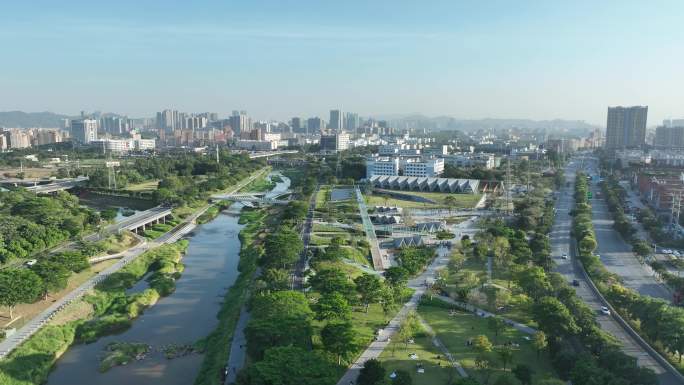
(217, 154)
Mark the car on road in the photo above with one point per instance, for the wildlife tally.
(605, 310)
(564, 256)
(575, 283)
(31, 262)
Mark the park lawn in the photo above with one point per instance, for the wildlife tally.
(322, 196)
(318, 227)
(463, 201)
(437, 371)
(358, 256)
(454, 332)
(351, 271)
(149, 185)
(259, 184)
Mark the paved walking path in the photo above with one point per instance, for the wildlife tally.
(377, 347)
(438, 343)
(238, 347)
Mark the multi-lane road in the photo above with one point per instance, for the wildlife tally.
(561, 242)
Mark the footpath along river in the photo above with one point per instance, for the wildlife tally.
(184, 317)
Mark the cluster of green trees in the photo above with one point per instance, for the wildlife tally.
(413, 259)
(579, 350)
(567, 322)
(451, 171)
(583, 229)
(183, 178)
(660, 322)
(30, 224)
(283, 320)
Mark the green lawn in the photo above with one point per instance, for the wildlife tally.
(149, 185)
(322, 196)
(454, 331)
(437, 371)
(260, 184)
(462, 200)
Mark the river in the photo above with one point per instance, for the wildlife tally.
(185, 316)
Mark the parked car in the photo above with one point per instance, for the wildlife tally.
(564, 256)
(605, 310)
(575, 283)
(676, 253)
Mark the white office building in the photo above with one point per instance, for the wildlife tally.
(382, 166)
(391, 166)
(423, 167)
(257, 145)
(124, 145)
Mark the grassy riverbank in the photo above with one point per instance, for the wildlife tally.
(217, 344)
(109, 310)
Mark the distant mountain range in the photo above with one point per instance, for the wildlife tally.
(20, 119)
(440, 123)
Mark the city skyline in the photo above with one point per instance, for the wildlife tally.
(534, 61)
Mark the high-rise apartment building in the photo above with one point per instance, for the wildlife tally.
(241, 123)
(669, 137)
(167, 120)
(296, 125)
(114, 125)
(626, 127)
(351, 122)
(84, 131)
(673, 123)
(314, 125)
(335, 123)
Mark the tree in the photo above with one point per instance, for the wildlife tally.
(496, 324)
(339, 338)
(332, 306)
(330, 280)
(409, 328)
(280, 318)
(276, 279)
(554, 318)
(55, 276)
(369, 287)
(396, 276)
(466, 282)
(18, 286)
(482, 345)
(539, 342)
(289, 365)
(505, 354)
(534, 282)
(451, 202)
(523, 373)
(372, 373)
(282, 248)
(506, 379)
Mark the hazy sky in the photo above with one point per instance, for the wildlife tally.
(468, 59)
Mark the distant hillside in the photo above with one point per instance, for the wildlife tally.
(30, 119)
(439, 123)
